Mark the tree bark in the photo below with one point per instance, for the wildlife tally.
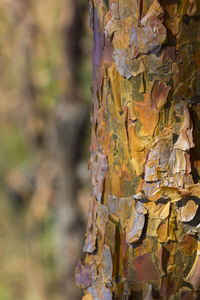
(142, 238)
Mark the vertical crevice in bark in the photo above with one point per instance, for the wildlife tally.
(116, 269)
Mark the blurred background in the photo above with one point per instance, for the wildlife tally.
(45, 79)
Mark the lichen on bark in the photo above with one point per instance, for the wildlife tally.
(142, 240)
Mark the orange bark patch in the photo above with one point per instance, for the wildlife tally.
(163, 232)
(188, 245)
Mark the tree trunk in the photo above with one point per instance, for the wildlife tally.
(142, 238)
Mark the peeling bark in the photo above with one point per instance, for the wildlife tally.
(143, 230)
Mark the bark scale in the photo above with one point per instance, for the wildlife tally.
(142, 238)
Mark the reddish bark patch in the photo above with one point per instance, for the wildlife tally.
(145, 269)
(169, 54)
(188, 296)
(163, 258)
(195, 276)
(167, 287)
(108, 53)
(159, 94)
(124, 246)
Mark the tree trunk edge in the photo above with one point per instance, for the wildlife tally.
(142, 238)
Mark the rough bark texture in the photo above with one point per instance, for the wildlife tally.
(142, 238)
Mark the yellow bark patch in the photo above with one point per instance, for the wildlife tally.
(88, 297)
(144, 109)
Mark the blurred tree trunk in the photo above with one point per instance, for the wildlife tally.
(142, 237)
(71, 125)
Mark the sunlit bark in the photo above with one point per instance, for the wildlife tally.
(142, 238)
